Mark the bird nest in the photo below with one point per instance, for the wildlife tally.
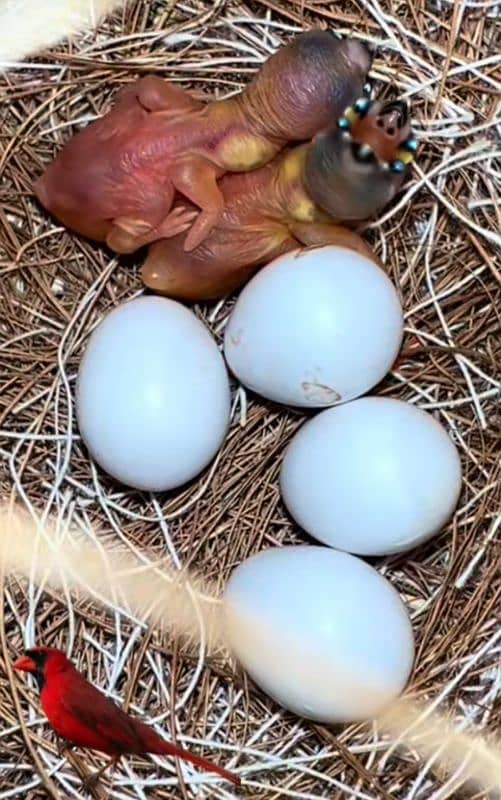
(438, 241)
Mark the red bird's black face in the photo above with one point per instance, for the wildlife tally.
(33, 661)
(36, 660)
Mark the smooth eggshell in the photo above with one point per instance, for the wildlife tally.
(320, 631)
(153, 396)
(373, 477)
(314, 328)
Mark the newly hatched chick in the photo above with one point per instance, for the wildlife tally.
(115, 180)
(343, 176)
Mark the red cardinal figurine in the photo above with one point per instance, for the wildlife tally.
(84, 716)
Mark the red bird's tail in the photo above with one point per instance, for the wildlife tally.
(163, 748)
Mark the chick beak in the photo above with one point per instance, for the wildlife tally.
(25, 664)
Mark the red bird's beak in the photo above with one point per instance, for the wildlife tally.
(25, 664)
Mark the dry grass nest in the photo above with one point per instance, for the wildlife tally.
(439, 242)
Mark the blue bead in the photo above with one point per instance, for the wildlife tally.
(343, 123)
(362, 105)
(411, 145)
(397, 166)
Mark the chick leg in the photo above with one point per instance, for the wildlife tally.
(128, 235)
(315, 234)
(62, 746)
(197, 180)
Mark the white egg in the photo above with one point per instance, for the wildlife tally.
(373, 477)
(153, 396)
(315, 327)
(322, 632)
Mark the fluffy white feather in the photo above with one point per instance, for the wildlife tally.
(29, 26)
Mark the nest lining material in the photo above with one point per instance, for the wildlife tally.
(439, 243)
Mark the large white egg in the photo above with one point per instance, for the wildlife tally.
(320, 631)
(153, 396)
(375, 476)
(315, 327)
